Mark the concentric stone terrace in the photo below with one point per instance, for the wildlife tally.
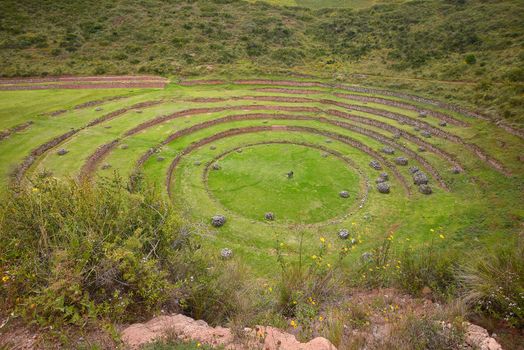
(277, 156)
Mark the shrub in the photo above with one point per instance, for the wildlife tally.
(306, 284)
(494, 282)
(72, 251)
(222, 294)
(411, 270)
(425, 332)
(470, 59)
(434, 268)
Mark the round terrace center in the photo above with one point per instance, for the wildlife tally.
(257, 180)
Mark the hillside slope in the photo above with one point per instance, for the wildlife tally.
(477, 43)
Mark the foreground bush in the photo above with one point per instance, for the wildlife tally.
(71, 251)
(494, 283)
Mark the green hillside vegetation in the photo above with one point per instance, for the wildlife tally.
(474, 42)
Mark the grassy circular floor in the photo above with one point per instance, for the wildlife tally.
(254, 181)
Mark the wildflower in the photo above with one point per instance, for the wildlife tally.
(322, 240)
(5, 279)
(353, 223)
(314, 257)
(294, 302)
(293, 324)
(270, 289)
(199, 345)
(441, 236)
(320, 318)
(32, 306)
(431, 230)
(281, 245)
(35, 189)
(328, 265)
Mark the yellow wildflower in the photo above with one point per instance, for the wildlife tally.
(199, 345)
(328, 265)
(35, 189)
(320, 318)
(281, 245)
(322, 240)
(5, 279)
(314, 257)
(441, 236)
(293, 324)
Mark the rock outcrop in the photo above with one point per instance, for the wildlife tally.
(186, 328)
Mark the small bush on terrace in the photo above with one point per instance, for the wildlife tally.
(71, 251)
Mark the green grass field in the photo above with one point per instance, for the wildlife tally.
(308, 130)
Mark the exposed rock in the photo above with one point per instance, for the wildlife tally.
(397, 136)
(98, 109)
(197, 163)
(443, 123)
(107, 127)
(420, 178)
(423, 114)
(413, 169)
(216, 166)
(213, 148)
(106, 166)
(401, 161)
(425, 189)
(416, 128)
(239, 150)
(383, 187)
(62, 152)
(388, 150)
(380, 180)
(478, 338)
(421, 149)
(183, 327)
(328, 141)
(160, 159)
(124, 146)
(138, 111)
(384, 176)
(366, 257)
(455, 170)
(343, 234)
(226, 253)
(375, 165)
(269, 216)
(425, 133)
(218, 220)
(325, 155)
(344, 194)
